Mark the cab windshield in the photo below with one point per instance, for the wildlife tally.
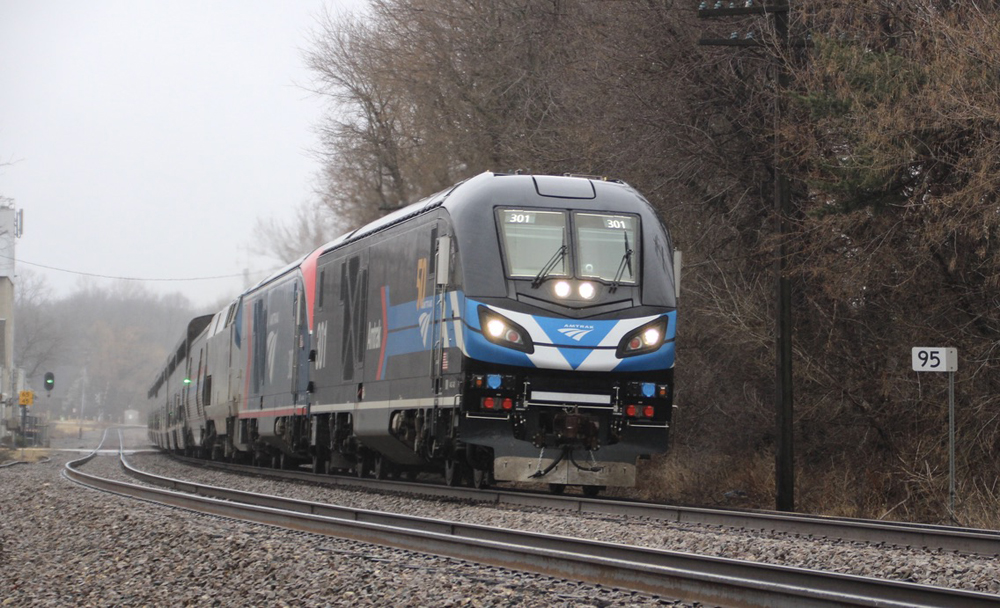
(541, 244)
(532, 240)
(607, 247)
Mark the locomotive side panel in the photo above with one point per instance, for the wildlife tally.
(277, 346)
(277, 341)
(376, 351)
(339, 330)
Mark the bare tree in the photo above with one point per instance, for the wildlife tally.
(38, 335)
(426, 93)
(362, 135)
(312, 226)
(889, 129)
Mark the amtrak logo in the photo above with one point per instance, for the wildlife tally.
(425, 324)
(576, 332)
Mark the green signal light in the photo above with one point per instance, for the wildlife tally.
(187, 380)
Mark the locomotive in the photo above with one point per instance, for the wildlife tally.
(510, 328)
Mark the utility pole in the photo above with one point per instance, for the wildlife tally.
(83, 400)
(784, 466)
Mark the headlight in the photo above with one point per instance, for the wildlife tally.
(643, 340)
(563, 289)
(495, 327)
(500, 330)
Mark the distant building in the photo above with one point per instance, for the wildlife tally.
(10, 223)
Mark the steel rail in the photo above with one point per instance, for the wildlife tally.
(669, 574)
(901, 534)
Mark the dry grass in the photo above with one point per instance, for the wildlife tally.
(688, 475)
(25, 455)
(71, 428)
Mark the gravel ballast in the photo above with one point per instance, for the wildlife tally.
(65, 545)
(137, 553)
(930, 567)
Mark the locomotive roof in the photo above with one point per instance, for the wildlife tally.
(585, 192)
(491, 189)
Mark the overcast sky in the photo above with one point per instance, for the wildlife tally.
(147, 137)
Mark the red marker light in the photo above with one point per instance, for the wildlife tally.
(648, 411)
(630, 411)
(508, 403)
(488, 403)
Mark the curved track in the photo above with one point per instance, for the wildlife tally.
(944, 538)
(664, 573)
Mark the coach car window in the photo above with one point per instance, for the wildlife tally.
(531, 239)
(607, 247)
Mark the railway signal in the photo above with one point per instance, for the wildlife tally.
(50, 381)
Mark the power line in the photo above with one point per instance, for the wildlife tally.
(120, 278)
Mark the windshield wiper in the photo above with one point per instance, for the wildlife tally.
(626, 261)
(555, 259)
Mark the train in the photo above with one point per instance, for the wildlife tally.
(511, 328)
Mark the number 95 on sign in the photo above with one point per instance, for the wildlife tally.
(934, 359)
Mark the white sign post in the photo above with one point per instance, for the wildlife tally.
(940, 359)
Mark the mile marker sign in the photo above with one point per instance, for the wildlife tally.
(940, 359)
(934, 359)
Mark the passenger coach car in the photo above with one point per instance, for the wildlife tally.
(511, 328)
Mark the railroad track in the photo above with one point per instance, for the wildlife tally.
(925, 536)
(669, 574)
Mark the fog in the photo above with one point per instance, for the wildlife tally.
(143, 140)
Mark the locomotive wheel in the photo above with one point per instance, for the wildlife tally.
(480, 479)
(321, 465)
(557, 488)
(452, 473)
(364, 466)
(381, 468)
